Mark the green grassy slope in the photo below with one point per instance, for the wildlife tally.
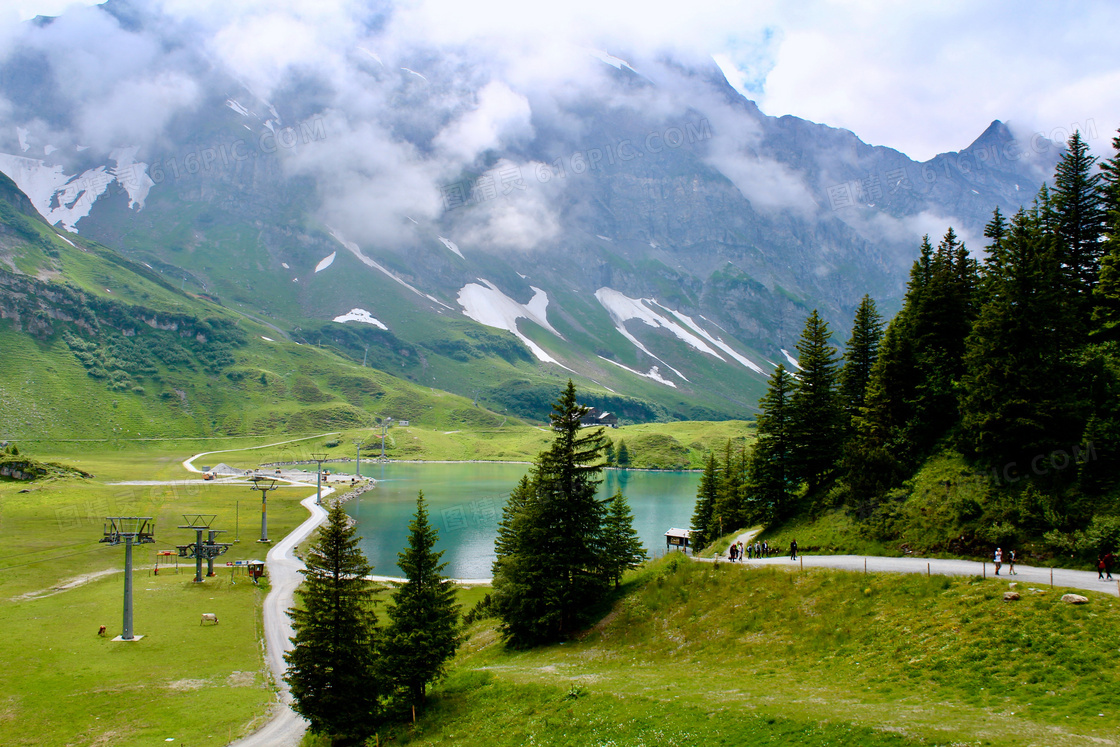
(700, 654)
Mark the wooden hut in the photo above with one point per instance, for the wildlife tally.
(678, 538)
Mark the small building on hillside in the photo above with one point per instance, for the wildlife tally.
(678, 538)
(596, 417)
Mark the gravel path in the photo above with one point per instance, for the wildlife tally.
(285, 728)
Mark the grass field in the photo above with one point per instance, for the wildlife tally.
(198, 684)
(65, 685)
(695, 654)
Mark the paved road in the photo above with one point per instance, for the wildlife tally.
(1027, 576)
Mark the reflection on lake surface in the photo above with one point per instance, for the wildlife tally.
(465, 502)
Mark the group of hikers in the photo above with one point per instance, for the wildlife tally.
(757, 550)
(1104, 566)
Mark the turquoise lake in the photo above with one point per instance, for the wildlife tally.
(465, 502)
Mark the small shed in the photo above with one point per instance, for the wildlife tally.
(678, 538)
(256, 569)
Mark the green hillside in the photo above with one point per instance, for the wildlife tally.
(97, 346)
(707, 654)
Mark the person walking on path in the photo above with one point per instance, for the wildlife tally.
(1100, 567)
(998, 559)
(1108, 558)
(1011, 563)
(731, 552)
(793, 550)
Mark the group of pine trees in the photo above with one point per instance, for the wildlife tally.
(559, 548)
(347, 674)
(1012, 361)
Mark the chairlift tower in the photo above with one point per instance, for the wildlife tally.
(198, 550)
(385, 423)
(318, 458)
(138, 530)
(263, 484)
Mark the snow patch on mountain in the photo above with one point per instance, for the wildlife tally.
(616, 62)
(63, 198)
(325, 262)
(452, 246)
(360, 315)
(714, 340)
(237, 107)
(132, 175)
(21, 134)
(623, 308)
(653, 374)
(357, 252)
(793, 361)
(48, 149)
(487, 305)
(285, 265)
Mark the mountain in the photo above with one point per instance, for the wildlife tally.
(97, 346)
(643, 228)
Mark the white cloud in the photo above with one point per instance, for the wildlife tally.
(521, 220)
(500, 118)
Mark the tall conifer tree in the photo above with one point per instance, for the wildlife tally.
(1017, 401)
(1080, 222)
(772, 478)
(729, 513)
(549, 569)
(816, 417)
(1106, 314)
(859, 357)
(332, 667)
(423, 631)
(703, 516)
(622, 549)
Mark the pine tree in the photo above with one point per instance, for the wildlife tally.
(995, 260)
(704, 532)
(1106, 312)
(423, 630)
(1018, 388)
(608, 452)
(859, 357)
(728, 509)
(550, 551)
(332, 667)
(622, 550)
(771, 478)
(816, 419)
(882, 451)
(623, 458)
(1080, 222)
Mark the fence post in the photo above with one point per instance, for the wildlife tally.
(927, 570)
(985, 569)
